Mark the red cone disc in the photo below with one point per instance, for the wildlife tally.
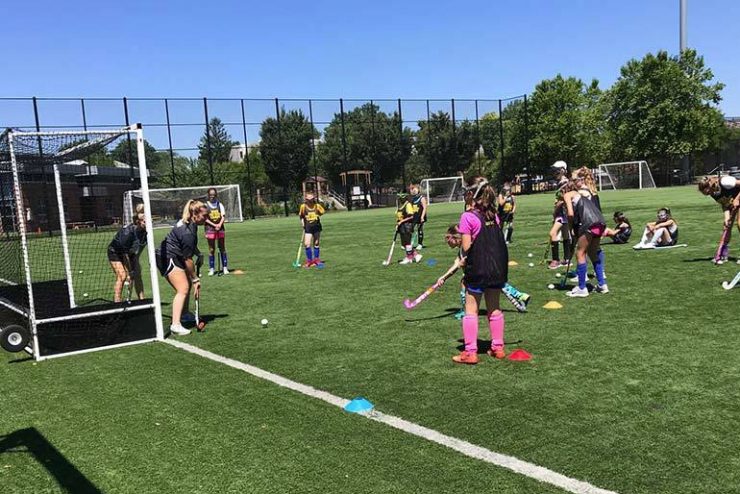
(520, 355)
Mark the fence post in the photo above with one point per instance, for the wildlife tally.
(286, 189)
(501, 137)
(84, 115)
(209, 156)
(477, 139)
(169, 140)
(246, 160)
(400, 139)
(454, 136)
(313, 151)
(528, 188)
(347, 195)
(129, 153)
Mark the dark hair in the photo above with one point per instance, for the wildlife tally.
(482, 196)
(453, 230)
(621, 218)
(212, 189)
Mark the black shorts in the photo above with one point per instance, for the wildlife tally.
(312, 228)
(167, 265)
(114, 256)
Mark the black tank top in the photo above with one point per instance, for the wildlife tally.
(487, 262)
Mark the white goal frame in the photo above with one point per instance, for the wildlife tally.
(134, 131)
(644, 175)
(199, 191)
(458, 185)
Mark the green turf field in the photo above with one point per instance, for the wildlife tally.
(633, 391)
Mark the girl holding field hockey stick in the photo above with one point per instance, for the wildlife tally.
(485, 259)
(123, 255)
(584, 214)
(215, 232)
(726, 191)
(560, 229)
(405, 225)
(310, 213)
(175, 260)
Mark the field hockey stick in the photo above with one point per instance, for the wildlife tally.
(297, 262)
(567, 267)
(731, 284)
(393, 246)
(409, 304)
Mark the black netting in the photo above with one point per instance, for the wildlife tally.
(64, 200)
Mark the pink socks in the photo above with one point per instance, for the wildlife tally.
(496, 325)
(470, 333)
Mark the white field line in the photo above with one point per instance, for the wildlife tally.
(468, 449)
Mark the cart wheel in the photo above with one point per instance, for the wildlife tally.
(14, 338)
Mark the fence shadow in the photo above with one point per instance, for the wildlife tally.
(31, 441)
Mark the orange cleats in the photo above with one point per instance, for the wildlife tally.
(498, 353)
(470, 358)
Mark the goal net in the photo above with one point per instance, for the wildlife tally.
(626, 175)
(56, 222)
(167, 204)
(446, 189)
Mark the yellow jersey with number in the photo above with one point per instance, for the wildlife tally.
(311, 214)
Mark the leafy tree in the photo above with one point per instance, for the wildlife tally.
(515, 142)
(121, 154)
(447, 149)
(662, 107)
(285, 147)
(565, 123)
(373, 143)
(219, 141)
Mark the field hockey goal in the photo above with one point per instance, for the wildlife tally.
(167, 204)
(56, 221)
(625, 175)
(445, 189)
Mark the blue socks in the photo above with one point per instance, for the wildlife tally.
(212, 262)
(309, 254)
(316, 253)
(582, 270)
(224, 259)
(599, 267)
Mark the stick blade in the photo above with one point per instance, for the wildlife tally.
(407, 303)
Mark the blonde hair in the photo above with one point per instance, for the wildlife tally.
(191, 207)
(585, 174)
(140, 208)
(481, 195)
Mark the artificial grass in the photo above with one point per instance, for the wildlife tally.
(634, 391)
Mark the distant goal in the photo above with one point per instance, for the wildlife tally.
(625, 175)
(445, 189)
(167, 204)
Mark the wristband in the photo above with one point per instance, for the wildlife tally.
(195, 280)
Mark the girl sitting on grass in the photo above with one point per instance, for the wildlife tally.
(660, 233)
(485, 259)
(622, 232)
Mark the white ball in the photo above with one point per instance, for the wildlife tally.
(529, 255)
(531, 264)
(558, 275)
(551, 286)
(84, 294)
(264, 322)
(80, 271)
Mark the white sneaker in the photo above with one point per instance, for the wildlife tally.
(417, 257)
(601, 288)
(226, 270)
(578, 292)
(179, 330)
(406, 260)
(419, 247)
(211, 272)
(649, 246)
(187, 317)
(639, 246)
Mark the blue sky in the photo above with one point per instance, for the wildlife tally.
(331, 49)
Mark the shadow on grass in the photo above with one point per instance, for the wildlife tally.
(33, 442)
(710, 259)
(485, 345)
(21, 360)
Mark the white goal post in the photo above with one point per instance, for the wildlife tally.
(444, 189)
(167, 204)
(625, 175)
